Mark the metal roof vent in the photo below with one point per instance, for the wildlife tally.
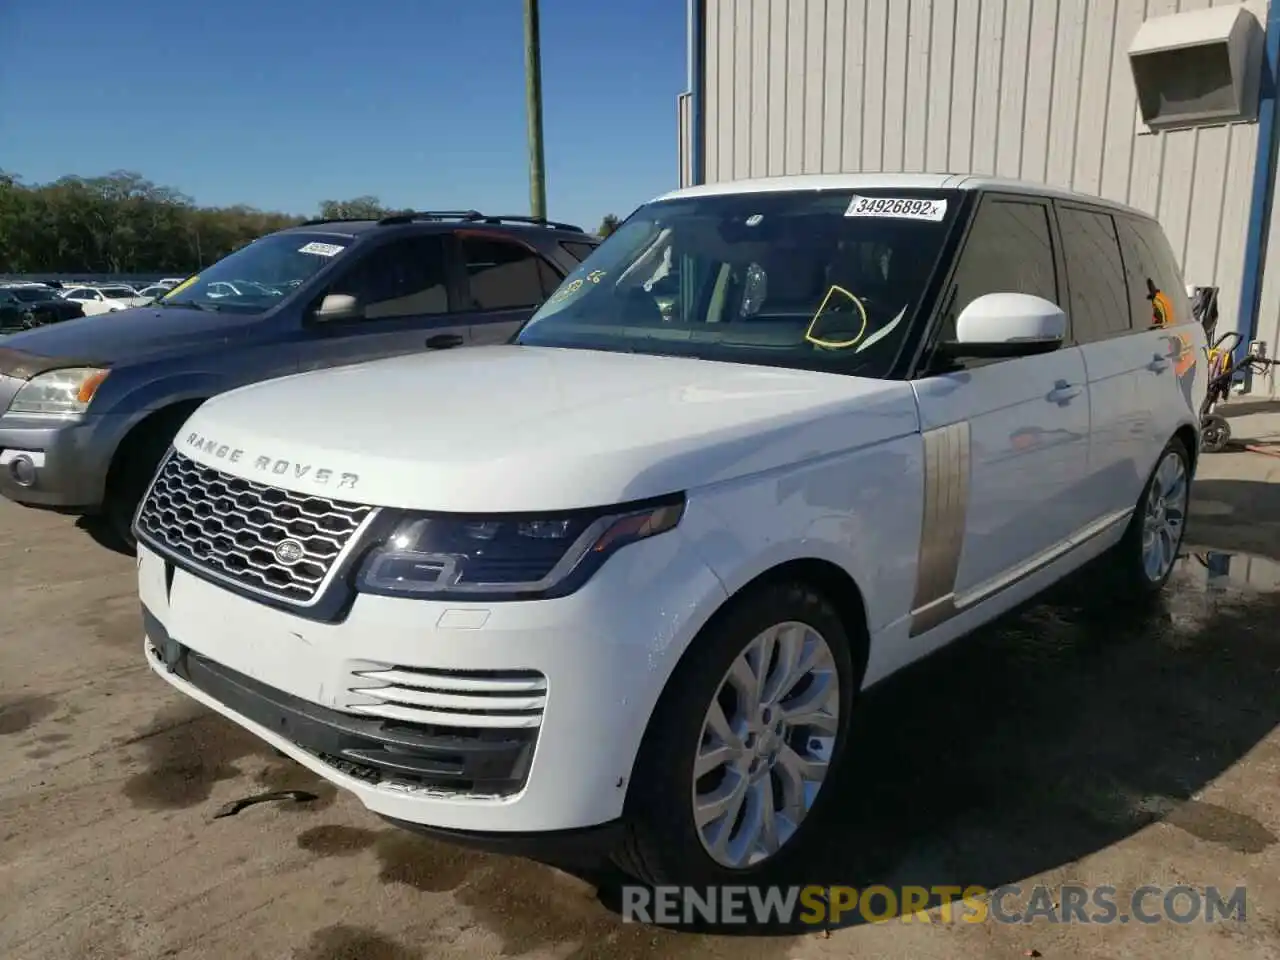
(1198, 67)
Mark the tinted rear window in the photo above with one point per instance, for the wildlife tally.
(1099, 305)
(579, 251)
(1157, 296)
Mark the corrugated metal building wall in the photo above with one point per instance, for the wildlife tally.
(1035, 89)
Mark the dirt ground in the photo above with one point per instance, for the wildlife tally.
(1077, 742)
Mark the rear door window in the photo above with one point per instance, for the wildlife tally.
(579, 251)
(503, 275)
(551, 278)
(1157, 297)
(1099, 307)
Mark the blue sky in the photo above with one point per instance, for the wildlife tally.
(282, 103)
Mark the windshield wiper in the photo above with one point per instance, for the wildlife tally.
(196, 305)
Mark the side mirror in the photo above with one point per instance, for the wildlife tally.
(338, 306)
(1004, 326)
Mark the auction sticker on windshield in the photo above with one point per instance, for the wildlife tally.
(322, 249)
(897, 208)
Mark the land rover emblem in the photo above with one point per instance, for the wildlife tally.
(289, 552)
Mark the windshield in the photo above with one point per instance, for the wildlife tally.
(814, 280)
(257, 276)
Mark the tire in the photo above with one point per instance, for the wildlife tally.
(138, 459)
(1159, 514)
(662, 843)
(1215, 433)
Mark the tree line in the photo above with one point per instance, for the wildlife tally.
(124, 223)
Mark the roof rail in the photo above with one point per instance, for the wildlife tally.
(475, 216)
(536, 221)
(319, 220)
(408, 216)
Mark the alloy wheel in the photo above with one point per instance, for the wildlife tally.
(766, 745)
(1166, 516)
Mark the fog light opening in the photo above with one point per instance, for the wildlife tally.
(23, 471)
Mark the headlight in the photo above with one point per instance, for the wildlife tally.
(62, 394)
(507, 557)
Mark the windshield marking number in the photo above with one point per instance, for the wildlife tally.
(573, 286)
(322, 249)
(897, 208)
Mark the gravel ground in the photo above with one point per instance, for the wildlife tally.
(1077, 742)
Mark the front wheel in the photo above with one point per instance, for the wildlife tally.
(730, 776)
(135, 464)
(1146, 554)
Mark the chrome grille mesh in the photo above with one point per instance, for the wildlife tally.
(230, 527)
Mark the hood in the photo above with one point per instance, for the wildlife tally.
(515, 428)
(126, 334)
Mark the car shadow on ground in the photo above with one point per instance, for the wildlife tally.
(1054, 733)
(99, 531)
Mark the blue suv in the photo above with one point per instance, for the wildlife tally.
(88, 407)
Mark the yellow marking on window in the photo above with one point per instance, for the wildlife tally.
(837, 344)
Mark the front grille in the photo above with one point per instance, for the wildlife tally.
(230, 528)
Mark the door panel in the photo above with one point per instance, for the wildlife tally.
(497, 327)
(339, 344)
(1028, 433)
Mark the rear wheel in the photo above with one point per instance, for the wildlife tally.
(729, 781)
(1149, 549)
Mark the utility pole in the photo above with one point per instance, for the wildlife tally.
(533, 109)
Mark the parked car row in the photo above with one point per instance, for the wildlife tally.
(106, 299)
(621, 577)
(93, 298)
(23, 307)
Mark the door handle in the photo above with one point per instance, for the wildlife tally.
(444, 341)
(1158, 364)
(1062, 393)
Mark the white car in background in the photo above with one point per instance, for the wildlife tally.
(223, 289)
(96, 300)
(154, 292)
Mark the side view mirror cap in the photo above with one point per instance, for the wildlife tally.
(1007, 325)
(338, 306)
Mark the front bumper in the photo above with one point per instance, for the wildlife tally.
(506, 719)
(364, 747)
(67, 474)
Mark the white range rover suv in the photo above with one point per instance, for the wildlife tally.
(624, 579)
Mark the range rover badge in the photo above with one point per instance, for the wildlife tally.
(289, 552)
